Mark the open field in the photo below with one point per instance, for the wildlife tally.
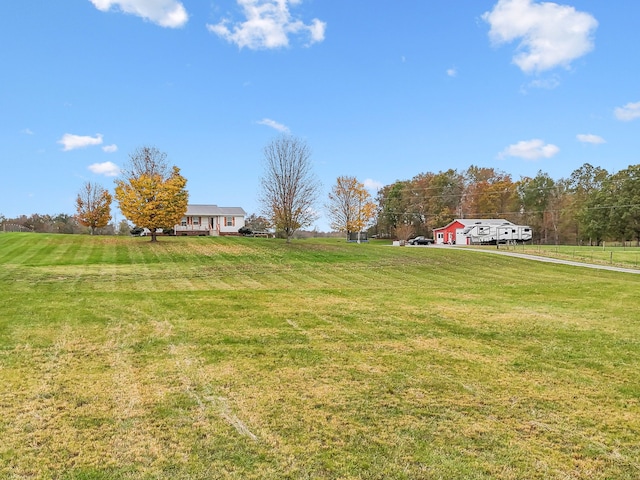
(198, 358)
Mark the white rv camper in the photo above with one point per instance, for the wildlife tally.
(485, 233)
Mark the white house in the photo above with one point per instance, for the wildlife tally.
(211, 220)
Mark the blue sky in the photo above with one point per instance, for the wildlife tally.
(380, 90)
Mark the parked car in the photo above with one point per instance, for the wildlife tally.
(420, 241)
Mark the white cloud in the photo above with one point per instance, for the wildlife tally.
(452, 72)
(550, 35)
(543, 83)
(108, 169)
(590, 138)
(629, 112)
(273, 124)
(27, 131)
(110, 148)
(166, 13)
(370, 184)
(72, 142)
(530, 150)
(268, 25)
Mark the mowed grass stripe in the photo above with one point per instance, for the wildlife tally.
(365, 362)
(13, 248)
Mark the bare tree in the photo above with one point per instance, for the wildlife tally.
(289, 187)
(146, 161)
(404, 231)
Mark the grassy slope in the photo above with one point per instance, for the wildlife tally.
(248, 358)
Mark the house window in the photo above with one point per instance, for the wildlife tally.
(228, 221)
(196, 220)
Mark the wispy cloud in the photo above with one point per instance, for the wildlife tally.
(110, 148)
(268, 25)
(629, 112)
(108, 169)
(530, 150)
(452, 72)
(27, 131)
(590, 138)
(73, 142)
(166, 13)
(550, 34)
(273, 124)
(371, 184)
(548, 83)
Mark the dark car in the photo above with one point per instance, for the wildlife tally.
(420, 241)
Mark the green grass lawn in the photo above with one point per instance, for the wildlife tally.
(627, 257)
(199, 358)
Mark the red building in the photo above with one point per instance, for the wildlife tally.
(452, 232)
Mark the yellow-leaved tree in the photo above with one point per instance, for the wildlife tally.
(151, 195)
(350, 208)
(93, 206)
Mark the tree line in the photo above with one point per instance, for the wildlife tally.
(151, 194)
(58, 223)
(589, 207)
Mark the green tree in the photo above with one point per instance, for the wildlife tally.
(535, 194)
(64, 223)
(124, 228)
(585, 191)
(393, 206)
(445, 198)
(624, 197)
(596, 214)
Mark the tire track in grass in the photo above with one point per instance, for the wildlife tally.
(145, 438)
(308, 333)
(42, 415)
(133, 442)
(197, 385)
(31, 418)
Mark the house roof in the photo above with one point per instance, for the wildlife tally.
(213, 211)
(468, 222)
